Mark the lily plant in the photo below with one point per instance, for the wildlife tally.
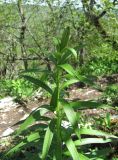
(44, 127)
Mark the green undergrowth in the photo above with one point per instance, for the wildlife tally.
(18, 88)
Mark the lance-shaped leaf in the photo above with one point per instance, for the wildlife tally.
(54, 99)
(84, 79)
(92, 141)
(93, 132)
(69, 69)
(69, 82)
(25, 142)
(78, 105)
(72, 149)
(66, 55)
(38, 83)
(47, 140)
(57, 43)
(71, 114)
(65, 38)
(72, 52)
(36, 115)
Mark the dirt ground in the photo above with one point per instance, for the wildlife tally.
(12, 112)
(10, 115)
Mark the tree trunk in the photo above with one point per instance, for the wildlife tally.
(22, 32)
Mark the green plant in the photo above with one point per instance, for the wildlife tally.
(103, 122)
(21, 89)
(53, 139)
(100, 65)
(111, 94)
(18, 88)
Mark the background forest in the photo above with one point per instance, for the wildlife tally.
(28, 29)
(60, 42)
(27, 32)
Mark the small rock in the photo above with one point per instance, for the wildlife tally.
(89, 92)
(7, 103)
(7, 132)
(65, 124)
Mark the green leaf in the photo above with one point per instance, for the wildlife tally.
(72, 149)
(86, 105)
(108, 120)
(100, 154)
(91, 141)
(17, 148)
(84, 79)
(54, 99)
(38, 83)
(33, 136)
(78, 76)
(71, 115)
(83, 157)
(36, 115)
(28, 139)
(69, 69)
(65, 38)
(57, 43)
(47, 141)
(69, 82)
(53, 58)
(67, 52)
(72, 51)
(87, 131)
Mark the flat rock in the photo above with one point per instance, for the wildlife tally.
(7, 103)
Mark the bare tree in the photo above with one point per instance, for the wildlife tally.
(94, 19)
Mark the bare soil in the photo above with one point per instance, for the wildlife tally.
(9, 117)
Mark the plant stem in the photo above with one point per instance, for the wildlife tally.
(58, 112)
